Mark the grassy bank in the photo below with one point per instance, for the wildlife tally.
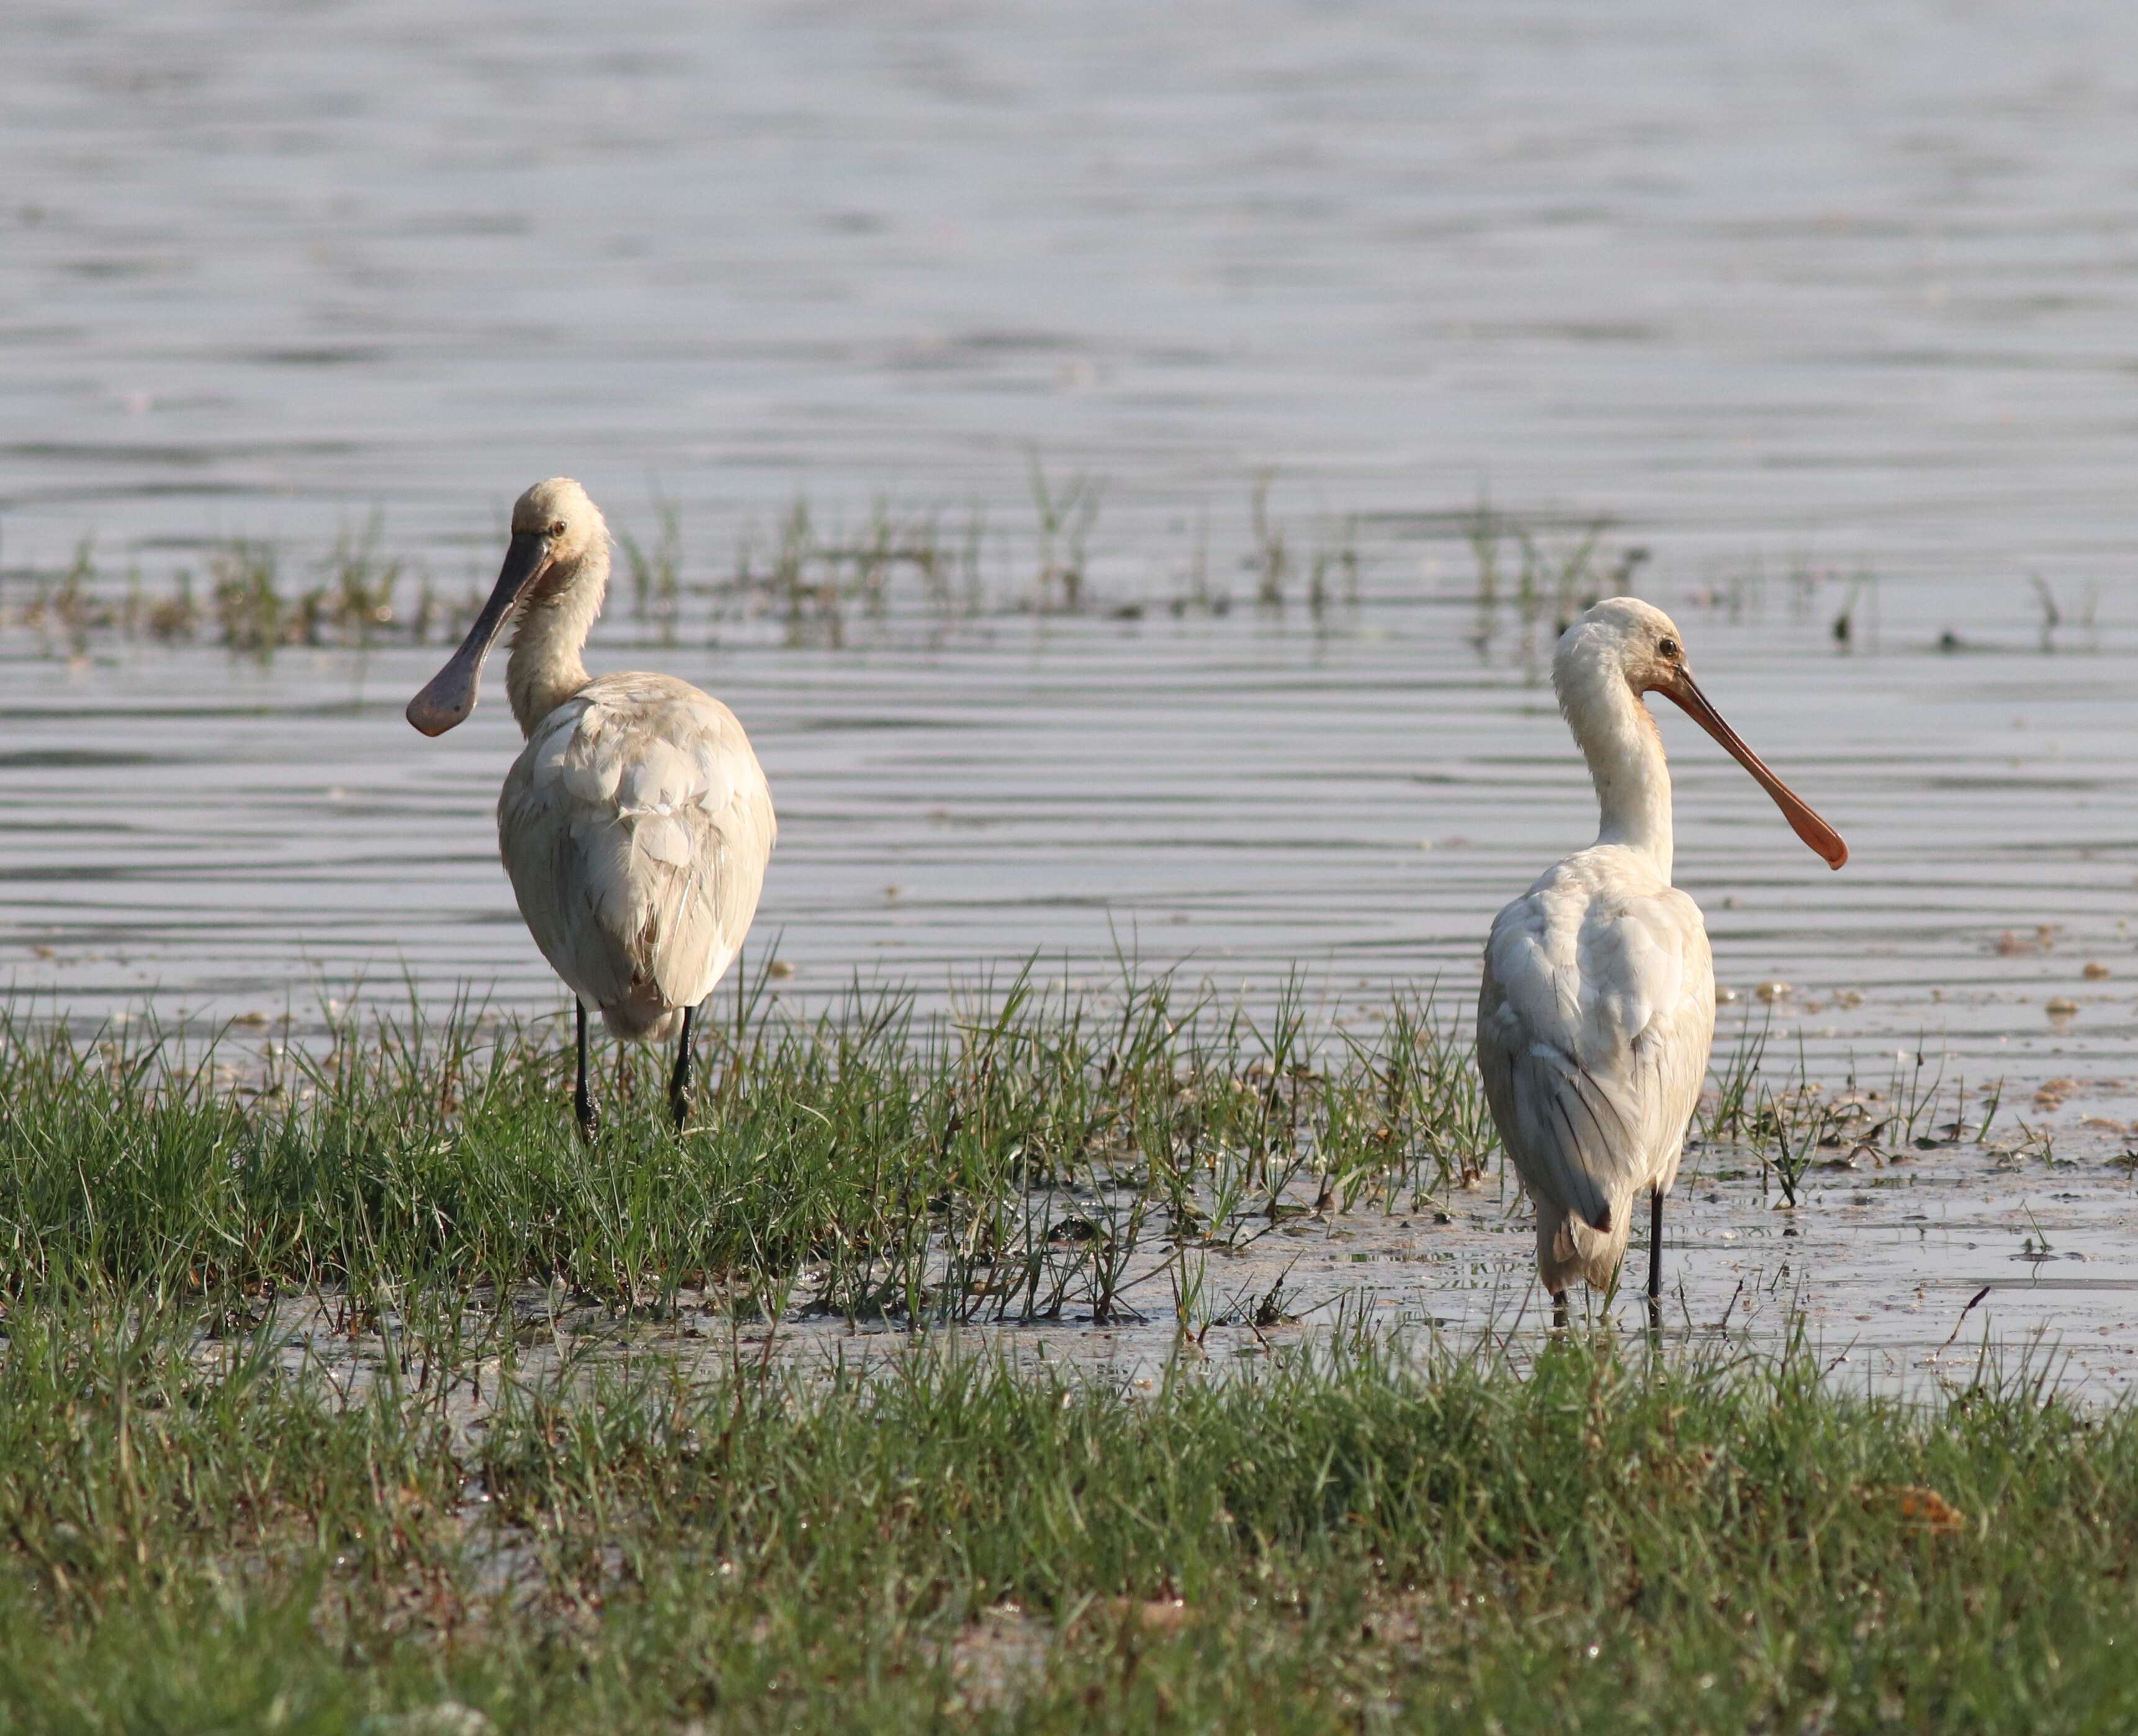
(204, 1525)
(1350, 1542)
(1010, 1163)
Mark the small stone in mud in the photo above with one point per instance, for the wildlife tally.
(2050, 1093)
(2058, 1007)
(2095, 972)
(2012, 944)
(1772, 991)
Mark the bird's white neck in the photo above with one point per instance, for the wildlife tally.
(545, 668)
(1624, 751)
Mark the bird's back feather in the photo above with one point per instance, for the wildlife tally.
(1594, 1021)
(635, 827)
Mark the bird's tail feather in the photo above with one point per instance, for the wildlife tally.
(1567, 1247)
(642, 1017)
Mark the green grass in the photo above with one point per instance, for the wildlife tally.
(1346, 1542)
(1010, 1163)
(205, 1526)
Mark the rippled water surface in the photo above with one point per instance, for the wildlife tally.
(1833, 309)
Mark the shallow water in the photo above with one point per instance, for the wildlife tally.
(1812, 296)
(1832, 312)
(1914, 1276)
(1238, 797)
(1853, 282)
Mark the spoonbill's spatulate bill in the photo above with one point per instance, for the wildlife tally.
(1597, 1007)
(636, 824)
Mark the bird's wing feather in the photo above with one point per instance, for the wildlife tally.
(1593, 1026)
(635, 828)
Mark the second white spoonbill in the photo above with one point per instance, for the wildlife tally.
(636, 824)
(1598, 1008)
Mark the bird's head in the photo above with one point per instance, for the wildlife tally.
(560, 543)
(557, 519)
(1623, 640)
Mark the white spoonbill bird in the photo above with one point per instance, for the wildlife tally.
(636, 824)
(1597, 1007)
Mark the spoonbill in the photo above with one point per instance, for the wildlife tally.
(636, 824)
(1597, 1007)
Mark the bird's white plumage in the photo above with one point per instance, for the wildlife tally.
(635, 826)
(1594, 1021)
(1597, 1009)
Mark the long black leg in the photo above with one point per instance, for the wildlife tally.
(679, 1081)
(1559, 1311)
(582, 1100)
(1656, 1259)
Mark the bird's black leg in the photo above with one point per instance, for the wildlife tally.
(1656, 1260)
(679, 1081)
(582, 1100)
(1559, 1311)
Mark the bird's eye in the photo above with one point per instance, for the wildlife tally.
(1668, 648)
(556, 529)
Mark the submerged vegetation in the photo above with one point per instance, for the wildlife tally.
(824, 578)
(821, 580)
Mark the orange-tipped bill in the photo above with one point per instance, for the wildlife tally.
(1685, 692)
(450, 695)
